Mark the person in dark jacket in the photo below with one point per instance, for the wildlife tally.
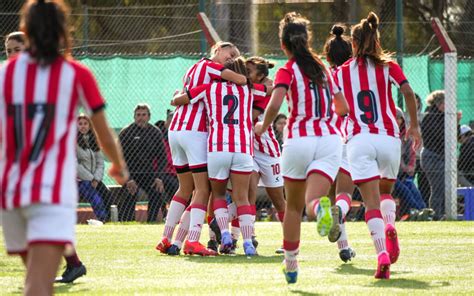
(466, 157)
(433, 154)
(145, 156)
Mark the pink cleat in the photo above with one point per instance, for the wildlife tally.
(383, 266)
(391, 241)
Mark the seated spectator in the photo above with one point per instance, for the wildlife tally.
(144, 153)
(278, 126)
(466, 157)
(405, 188)
(90, 170)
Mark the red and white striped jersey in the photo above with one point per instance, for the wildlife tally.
(229, 111)
(192, 117)
(367, 88)
(340, 122)
(267, 142)
(310, 105)
(38, 118)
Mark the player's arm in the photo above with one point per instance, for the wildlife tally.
(230, 75)
(340, 104)
(111, 148)
(190, 96)
(180, 99)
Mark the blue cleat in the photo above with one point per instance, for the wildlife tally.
(290, 276)
(249, 249)
(226, 243)
(173, 250)
(324, 216)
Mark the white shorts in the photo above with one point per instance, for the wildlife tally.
(188, 150)
(307, 155)
(45, 223)
(221, 164)
(269, 169)
(345, 166)
(372, 157)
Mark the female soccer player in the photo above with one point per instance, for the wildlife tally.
(338, 50)
(40, 90)
(312, 151)
(373, 136)
(14, 43)
(230, 149)
(188, 138)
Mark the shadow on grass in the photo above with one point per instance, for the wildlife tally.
(406, 284)
(235, 259)
(351, 269)
(64, 288)
(303, 293)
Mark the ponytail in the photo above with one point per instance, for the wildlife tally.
(45, 24)
(296, 36)
(367, 38)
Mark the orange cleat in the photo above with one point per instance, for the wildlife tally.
(163, 245)
(196, 248)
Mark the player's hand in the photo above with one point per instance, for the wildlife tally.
(172, 103)
(267, 82)
(258, 128)
(119, 174)
(415, 134)
(159, 185)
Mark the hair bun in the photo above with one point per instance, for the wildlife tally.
(373, 20)
(337, 30)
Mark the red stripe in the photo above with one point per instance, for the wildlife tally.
(203, 122)
(380, 78)
(49, 141)
(230, 127)
(364, 85)
(248, 116)
(198, 166)
(10, 130)
(344, 197)
(276, 146)
(199, 206)
(175, 118)
(293, 105)
(218, 180)
(386, 197)
(27, 124)
(329, 102)
(360, 181)
(244, 100)
(270, 150)
(346, 78)
(184, 110)
(320, 173)
(309, 101)
(344, 171)
(219, 119)
(49, 242)
(63, 142)
(180, 200)
(20, 253)
(244, 210)
(219, 204)
(290, 246)
(371, 214)
(261, 148)
(211, 121)
(240, 172)
(194, 112)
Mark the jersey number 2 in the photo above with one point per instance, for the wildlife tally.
(32, 110)
(232, 102)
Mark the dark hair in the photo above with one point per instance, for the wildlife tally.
(296, 37)
(367, 37)
(45, 25)
(91, 142)
(17, 36)
(238, 66)
(278, 117)
(338, 48)
(262, 65)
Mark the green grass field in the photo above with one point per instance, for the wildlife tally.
(436, 258)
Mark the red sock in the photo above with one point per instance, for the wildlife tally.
(281, 216)
(73, 260)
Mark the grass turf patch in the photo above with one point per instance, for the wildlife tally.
(436, 258)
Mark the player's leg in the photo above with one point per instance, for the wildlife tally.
(74, 266)
(42, 265)
(344, 189)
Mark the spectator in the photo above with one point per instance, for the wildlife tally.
(432, 154)
(466, 157)
(90, 169)
(169, 173)
(278, 126)
(405, 187)
(422, 180)
(144, 153)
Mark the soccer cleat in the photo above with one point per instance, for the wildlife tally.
(391, 241)
(196, 248)
(280, 250)
(324, 217)
(249, 249)
(383, 266)
(71, 274)
(173, 250)
(290, 276)
(254, 241)
(163, 245)
(347, 254)
(213, 245)
(335, 231)
(226, 243)
(215, 228)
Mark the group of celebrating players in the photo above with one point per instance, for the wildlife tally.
(342, 128)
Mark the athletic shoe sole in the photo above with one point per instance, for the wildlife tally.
(324, 217)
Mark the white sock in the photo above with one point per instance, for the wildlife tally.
(198, 213)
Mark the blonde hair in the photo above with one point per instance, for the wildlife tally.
(221, 44)
(435, 98)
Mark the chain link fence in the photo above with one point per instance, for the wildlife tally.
(139, 51)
